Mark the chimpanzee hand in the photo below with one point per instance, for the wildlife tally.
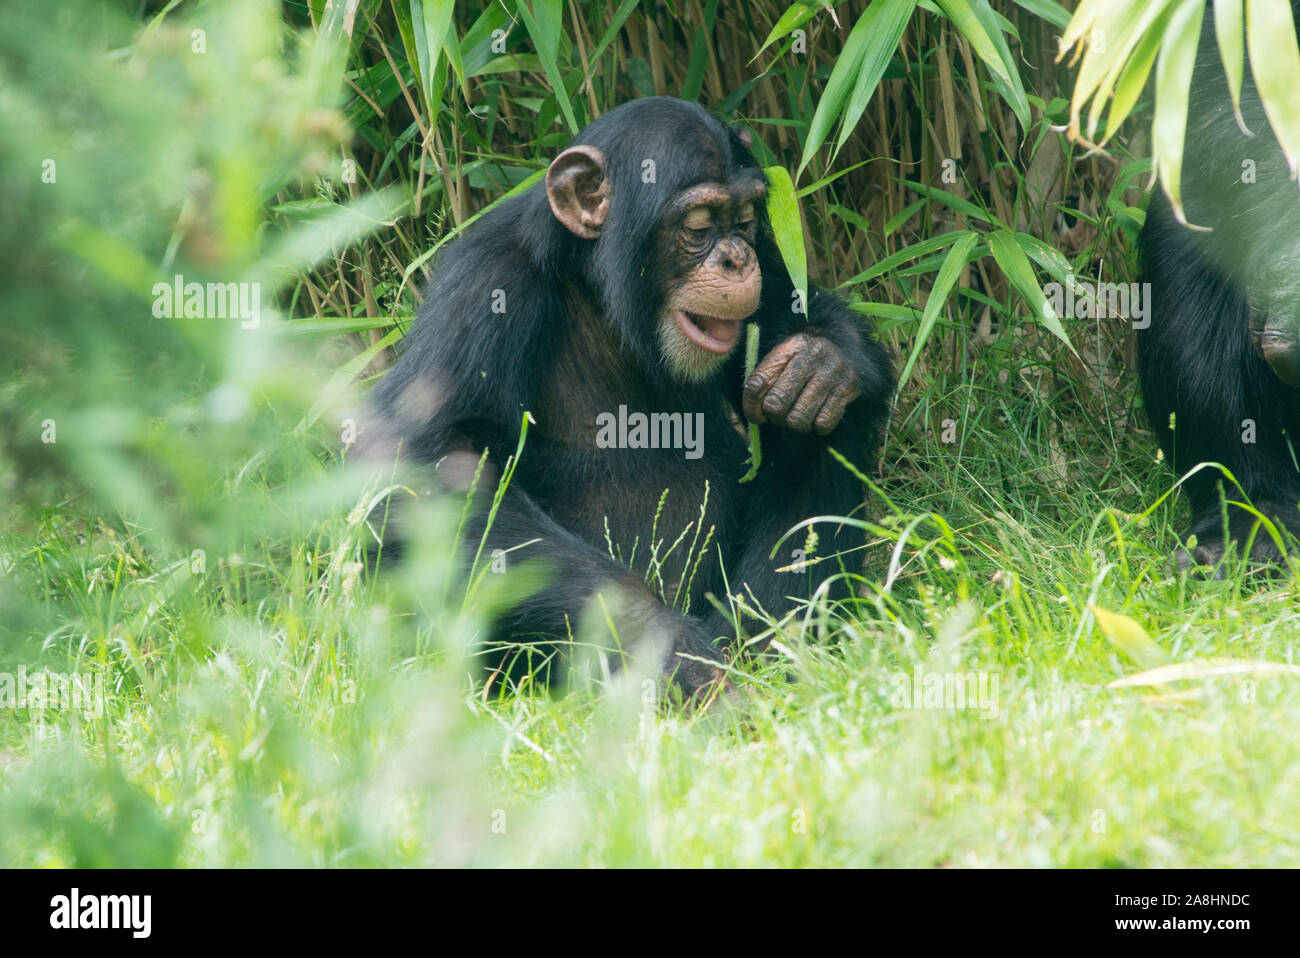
(689, 667)
(680, 646)
(1210, 545)
(803, 384)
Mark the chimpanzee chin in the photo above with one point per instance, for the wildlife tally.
(610, 304)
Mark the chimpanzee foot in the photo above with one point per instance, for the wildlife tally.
(1206, 544)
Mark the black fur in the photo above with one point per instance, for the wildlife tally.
(467, 376)
(1197, 359)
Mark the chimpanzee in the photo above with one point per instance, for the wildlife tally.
(1222, 352)
(608, 304)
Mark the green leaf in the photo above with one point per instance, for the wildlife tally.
(1275, 65)
(1049, 10)
(795, 16)
(431, 27)
(953, 201)
(907, 253)
(893, 224)
(755, 445)
(544, 27)
(1006, 250)
(783, 211)
(887, 30)
(943, 284)
(979, 25)
(895, 315)
(1130, 638)
(1047, 256)
(867, 46)
(410, 24)
(694, 81)
(1173, 88)
(825, 180)
(1132, 79)
(1117, 24)
(428, 254)
(1230, 32)
(620, 17)
(437, 24)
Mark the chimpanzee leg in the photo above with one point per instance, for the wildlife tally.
(580, 576)
(1197, 362)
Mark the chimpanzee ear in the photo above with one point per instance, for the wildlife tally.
(744, 136)
(578, 189)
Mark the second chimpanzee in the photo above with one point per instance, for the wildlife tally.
(1222, 351)
(609, 303)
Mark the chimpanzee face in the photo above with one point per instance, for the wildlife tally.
(717, 284)
(696, 254)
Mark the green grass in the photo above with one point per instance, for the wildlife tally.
(299, 712)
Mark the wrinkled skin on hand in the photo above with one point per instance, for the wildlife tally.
(803, 384)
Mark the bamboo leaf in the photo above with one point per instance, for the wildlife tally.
(1173, 89)
(1230, 32)
(953, 202)
(1202, 669)
(1132, 80)
(1006, 250)
(1114, 52)
(1049, 10)
(891, 18)
(908, 253)
(544, 27)
(1130, 638)
(977, 22)
(943, 284)
(795, 16)
(783, 212)
(620, 17)
(827, 180)
(843, 80)
(1275, 65)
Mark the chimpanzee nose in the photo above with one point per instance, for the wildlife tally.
(735, 257)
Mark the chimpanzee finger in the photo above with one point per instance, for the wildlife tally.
(784, 393)
(832, 410)
(765, 374)
(819, 390)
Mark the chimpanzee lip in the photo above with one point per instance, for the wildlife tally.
(713, 333)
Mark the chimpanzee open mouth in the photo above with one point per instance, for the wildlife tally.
(713, 333)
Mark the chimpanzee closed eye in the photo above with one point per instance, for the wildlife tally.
(609, 305)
